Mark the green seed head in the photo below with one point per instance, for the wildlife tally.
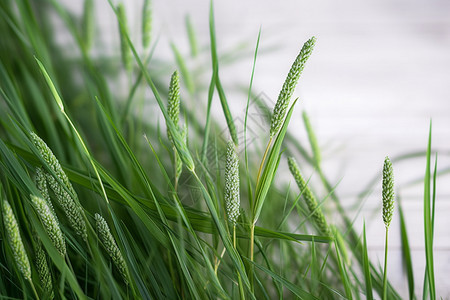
(388, 192)
(123, 30)
(67, 200)
(88, 23)
(288, 88)
(310, 199)
(232, 199)
(44, 271)
(71, 208)
(15, 241)
(110, 245)
(146, 23)
(41, 184)
(50, 223)
(173, 108)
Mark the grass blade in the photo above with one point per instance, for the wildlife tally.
(406, 251)
(428, 223)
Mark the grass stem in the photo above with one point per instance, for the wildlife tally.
(252, 243)
(385, 266)
(263, 160)
(34, 289)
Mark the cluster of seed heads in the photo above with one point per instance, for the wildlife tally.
(388, 192)
(50, 223)
(62, 188)
(43, 270)
(288, 88)
(15, 241)
(310, 199)
(232, 199)
(110, 245)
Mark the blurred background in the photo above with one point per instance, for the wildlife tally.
(379, 73)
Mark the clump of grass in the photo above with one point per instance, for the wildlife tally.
(177, 236)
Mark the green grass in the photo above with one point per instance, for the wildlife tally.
(155, 206)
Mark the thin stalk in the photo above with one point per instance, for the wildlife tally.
(216, 267)
(34, 289)
(385, 267)
(175, 158)
(241, 288)
(252, 228)
(234, 236)
(263, 160)
(252, 242)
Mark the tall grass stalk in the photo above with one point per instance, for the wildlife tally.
(388, 209)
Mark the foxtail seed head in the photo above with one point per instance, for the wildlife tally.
(123, 30)
(173, 107)
(388, 192)
(15, 241)
(50, 223)
(146, 23)
(110, 245)
(88, 23)
(288, 88)
(310, 200)
(44, 271)
(41, 184)
(72, 209)
(68, 201)
(232, 199)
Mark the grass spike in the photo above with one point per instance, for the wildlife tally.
(173, 107)
(88, 23)
(123, 29)
(388, 209)
(41, 184)
(232, 199)
(50, 222)
(288, 88)
(310, 199)
(110, 245)
(388, 192)
(15, 241)
(44, 271)
(146, 23)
